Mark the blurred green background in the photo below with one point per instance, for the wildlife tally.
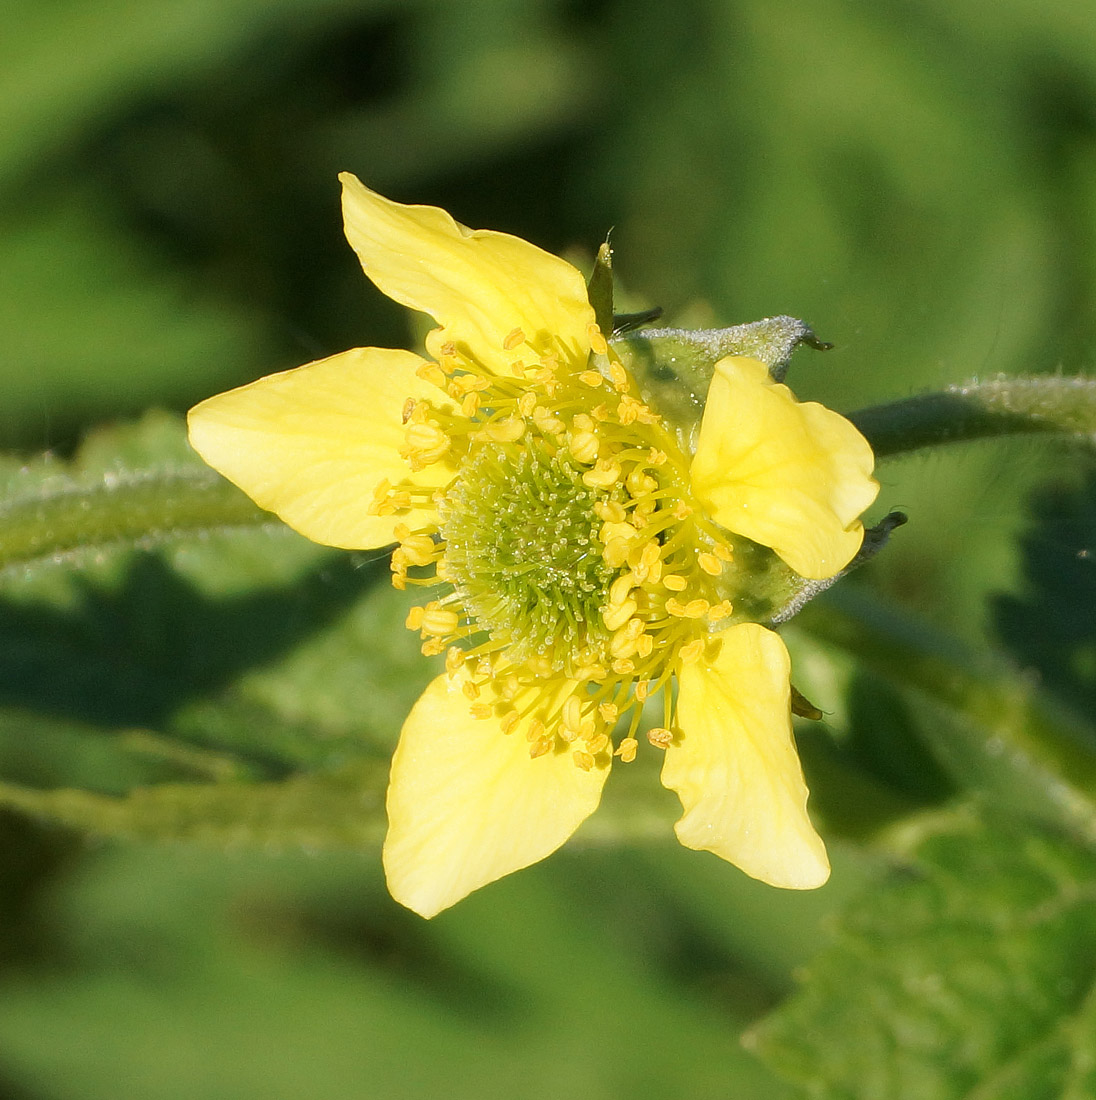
(915, 178)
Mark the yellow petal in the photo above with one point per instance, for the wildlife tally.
(480, 286)
(735, 767)
(795, 477)
(312, 444)
(467, 804)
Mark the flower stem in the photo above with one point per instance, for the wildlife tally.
(980, 410)
(57, 522)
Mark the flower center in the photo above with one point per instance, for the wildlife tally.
(522, 548)
(582, 573)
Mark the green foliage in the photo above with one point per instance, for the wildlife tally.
(969, 972)
(181, 673)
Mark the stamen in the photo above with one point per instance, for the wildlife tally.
(626, 750)
(660, 737)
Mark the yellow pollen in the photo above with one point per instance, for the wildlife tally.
(710, 564)
(615, 553)
(627, 410)
(583, 760)
(509, 721)
(426, 443)
(541, 746)
(619, 376)
(481, 711)
(591, 671)
(645, 643)
(615, 617)
(471, 689)
(591, 378)
(449, 348)
(640, 483)
(470, 405)
(432, 647)
(660, 737)
(723, 552)
(418, 549)
(675, 582)
(509, 430)
(619, 589)
(625, 642)
(642, 689)
(720, 611)
(604, 475)
(692, 651)
(454, 656)
(515, 338)
(657, 457)
(597, 744)
(527, 403)
(414, 618)
(624, 666)
(600, 412)
(609, 510)
(647, 564)
(546, 422)
(535, 732)
(696, 609)
(681, 510)
(609, 712)
(597, 341)
(431, 372)
(584, 446)
(408, 410)
(439, 620)
(626, 750)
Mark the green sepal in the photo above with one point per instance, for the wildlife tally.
(673, 367)
(599, 288)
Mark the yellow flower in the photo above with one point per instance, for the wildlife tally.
(585, 558)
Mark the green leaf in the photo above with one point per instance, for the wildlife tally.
(988, 726)
(970, 973)
(342, 809)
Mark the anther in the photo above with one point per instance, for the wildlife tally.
(583, 760)
(660, 737)
(604, 475)
(710, 564)
(439, 621)
(509, 430)
(614, 617)
(597, 341)
(596, 744)
(431, 372)
(515, 338)
(720, 611)
(626, 750)
(675, 582)
(591, 378)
